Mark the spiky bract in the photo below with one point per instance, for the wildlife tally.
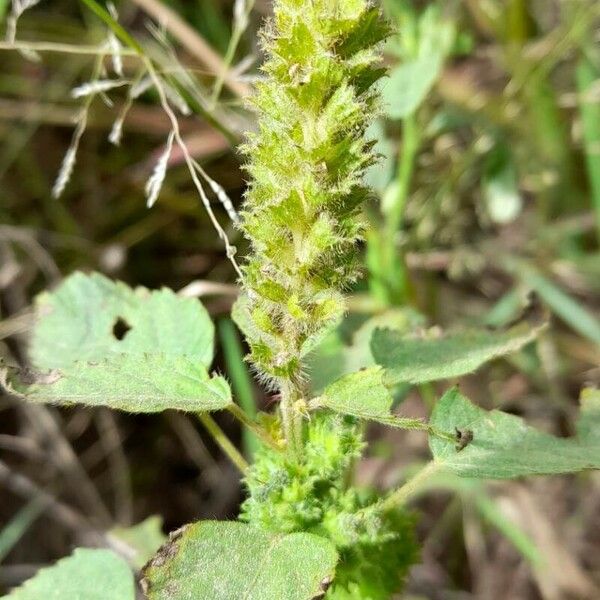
(306, 164)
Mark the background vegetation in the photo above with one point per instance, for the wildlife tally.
(488, 189)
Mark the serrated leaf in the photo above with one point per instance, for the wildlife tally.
(411, 360)
(75, 322)
(232, 560)
(504, 446)
(364, 395)
(144, 539)
(88, 574)
(135, 383)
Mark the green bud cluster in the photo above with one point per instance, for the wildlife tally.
(306, 164)
(286, 495)
(376, 547)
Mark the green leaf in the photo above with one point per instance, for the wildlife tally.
(135, 383)
(504, 447)
(77, 321)
(364, 395)
(101, 343)
(378, 175)
(411, 360)
(88, 574)
(232, 560)
(408, 85)
(333, 357)
(144, 539)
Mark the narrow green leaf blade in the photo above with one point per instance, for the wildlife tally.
(232, 560)
(101, 343)
(79, 321)
(135, 383)
(410, 360)
(364, 395)
(90, 574)
(504, 447)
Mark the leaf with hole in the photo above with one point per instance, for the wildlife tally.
(88, 574)
(232, 560)
(101, 343)
(89, 317)
(504, 446)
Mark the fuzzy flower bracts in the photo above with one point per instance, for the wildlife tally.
(306, 164)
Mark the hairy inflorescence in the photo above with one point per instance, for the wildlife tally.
(306, 164)
(376, 547)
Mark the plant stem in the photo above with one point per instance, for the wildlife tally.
(406, 168)
(403, 493)
(224, 442)
(253, 426)
(239, 26)
(291, 418)
(393, 269)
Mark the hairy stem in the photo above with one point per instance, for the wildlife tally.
(291, 419)
(253, 426)
(401, 496)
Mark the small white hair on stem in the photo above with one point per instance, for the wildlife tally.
(155, 181)
(113, 43)
(219, 192)
(68, 163)
(97, 87)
